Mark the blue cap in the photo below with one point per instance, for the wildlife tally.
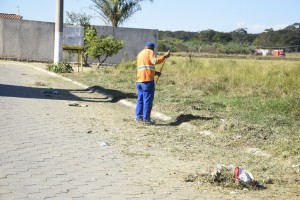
(150, 44)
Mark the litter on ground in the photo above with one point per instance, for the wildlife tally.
(229, 176)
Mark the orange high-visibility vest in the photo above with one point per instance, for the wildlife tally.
(146, 61)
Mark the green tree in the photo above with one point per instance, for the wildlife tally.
(116, 12)
(291, 37)
(166, 35)
(74, 18)
(239, 35)
(101, 47)
(222, 38)
(266, 39)
(207, 36)
(251, 37)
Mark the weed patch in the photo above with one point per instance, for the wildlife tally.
(60, 68)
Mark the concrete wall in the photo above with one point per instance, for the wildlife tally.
(29, 40)
(33, 40)
(135, 40)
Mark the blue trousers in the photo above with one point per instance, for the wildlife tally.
(145, 99)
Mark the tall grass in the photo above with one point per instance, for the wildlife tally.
(262, 93)
(261, 88)
(236, 77)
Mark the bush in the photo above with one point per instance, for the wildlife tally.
(60, 68)
(101, 47)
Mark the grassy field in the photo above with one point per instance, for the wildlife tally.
(244, 102)
(262, 93)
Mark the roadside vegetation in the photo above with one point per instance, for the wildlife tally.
(60, 68)
(254, 94)
(245, 111)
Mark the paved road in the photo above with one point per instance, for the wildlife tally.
(45, 153)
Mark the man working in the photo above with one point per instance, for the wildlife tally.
(146, 61)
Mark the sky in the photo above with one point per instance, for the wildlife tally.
(176, 15)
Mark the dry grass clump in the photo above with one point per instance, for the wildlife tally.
(223, 177)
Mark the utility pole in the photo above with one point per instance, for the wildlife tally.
(58, 31)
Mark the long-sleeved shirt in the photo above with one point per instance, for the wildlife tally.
(146, 61)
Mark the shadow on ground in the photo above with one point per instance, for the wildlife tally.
(187, 118)
(46, 93)
(113, 95)
(107, 95)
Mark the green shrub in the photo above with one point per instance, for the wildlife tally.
(60, 68)
(101, 47)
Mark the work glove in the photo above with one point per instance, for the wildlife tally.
(167, 55)
(157, 73)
